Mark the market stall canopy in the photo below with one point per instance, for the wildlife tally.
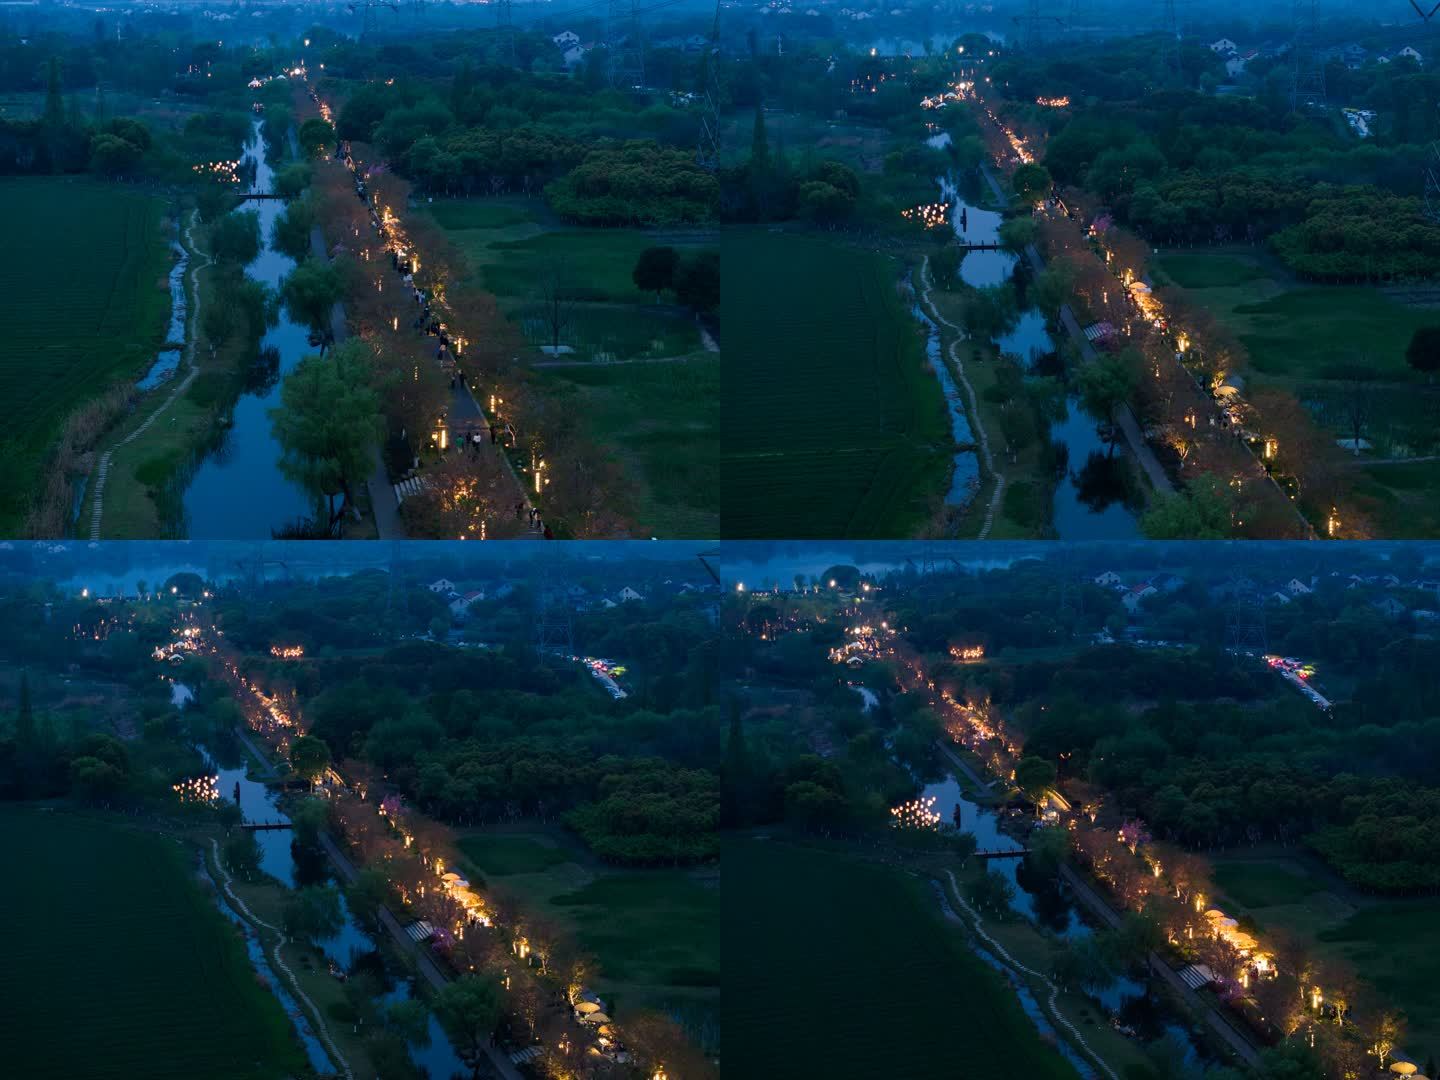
(596, 1018)
(587, 1007)
(452, 876)
(1403, 1068)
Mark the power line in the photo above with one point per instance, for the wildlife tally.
(707, 154)
(1307, 89)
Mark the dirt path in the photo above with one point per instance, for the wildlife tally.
(251, 917)
(952, 351)
(102, 471)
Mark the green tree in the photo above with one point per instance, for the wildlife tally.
(655, 270)
(309, 757)
(1031, 182)
(697, 281)
(316, 137)
(367, 894)
(292, 180)
(235, 238)
(469, 1010)
(310, 293)
(1034, 776)
(1423, 352)
(1202, 511)
(313, 913)
(411, 1021)
(991, 893)
(1105, 385)
(241, 853)
(328, 427)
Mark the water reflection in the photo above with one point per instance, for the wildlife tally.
(237, 491)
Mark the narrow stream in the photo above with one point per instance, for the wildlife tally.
(351, 949)
(1090, 498)
(965, 475)
(236, 491)
(168, 360)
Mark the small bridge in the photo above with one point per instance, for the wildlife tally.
(262, 195)
(1019, 854)
(251, 826)
(992, 246)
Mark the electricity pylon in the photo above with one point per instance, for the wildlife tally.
(1307, 88)
(707, 154)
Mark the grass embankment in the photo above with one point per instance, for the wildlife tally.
(1394, 945)
(119, 966)
(1306, 339)
(1024, 509)
(841, 968)
(657, 411)
(834, 426)
(83, 304)
(654, 933)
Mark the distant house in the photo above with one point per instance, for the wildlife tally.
(1296, 587)
(1108, 580)
(573, 55)
(441, 585)
(1137, 595)
(565, 39)
(1408, 52)
(1390, 607)
(1280, 597)
(628, 594)
(461, 604)
(1236, 64)
(1224, 47)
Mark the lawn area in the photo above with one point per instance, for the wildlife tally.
(834, 425)
(660, 419)
(1402, 500)
(1297, 331)
(118, 965)
(1265, 883)
(852, 974)
(84, 308)
(655, 933)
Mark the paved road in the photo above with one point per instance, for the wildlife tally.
(1129, 427)
(499, 1060)
(1233, 1037)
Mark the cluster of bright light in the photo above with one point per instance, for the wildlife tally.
(1053, 102)
(198, 789)
(959, 91)
(221, 170)
(968, 652)
(287, 652)
(916, 814)
(931, 215)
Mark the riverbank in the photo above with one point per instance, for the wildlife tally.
(126, 497)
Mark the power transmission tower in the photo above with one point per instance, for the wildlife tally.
(1245, 620)
(1432, 184)
(1172, 73)
(554, 628)
(625, 51)
(707, 154)
(504, 22)
(1307, 90)
(370, 15)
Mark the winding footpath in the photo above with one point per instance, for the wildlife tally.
(1053, 1003)
(102, 471)
(959, 367)
(251, 917)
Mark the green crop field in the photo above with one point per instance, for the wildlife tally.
(118, 966)
(82, 306)
(834, 427)
(843, 969)
(660, 418)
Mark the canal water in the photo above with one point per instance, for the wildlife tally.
(1128, 1001)
(168, 360)
(352, 948)
(236, 491)
(965, 473)
(1090, 498)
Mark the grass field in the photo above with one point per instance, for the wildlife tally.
(83, 308)
(655, 933)
(834, 427)
(118, 966)
(843, 969)
(660, 420)
(1393, 945)
(1402, 500)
